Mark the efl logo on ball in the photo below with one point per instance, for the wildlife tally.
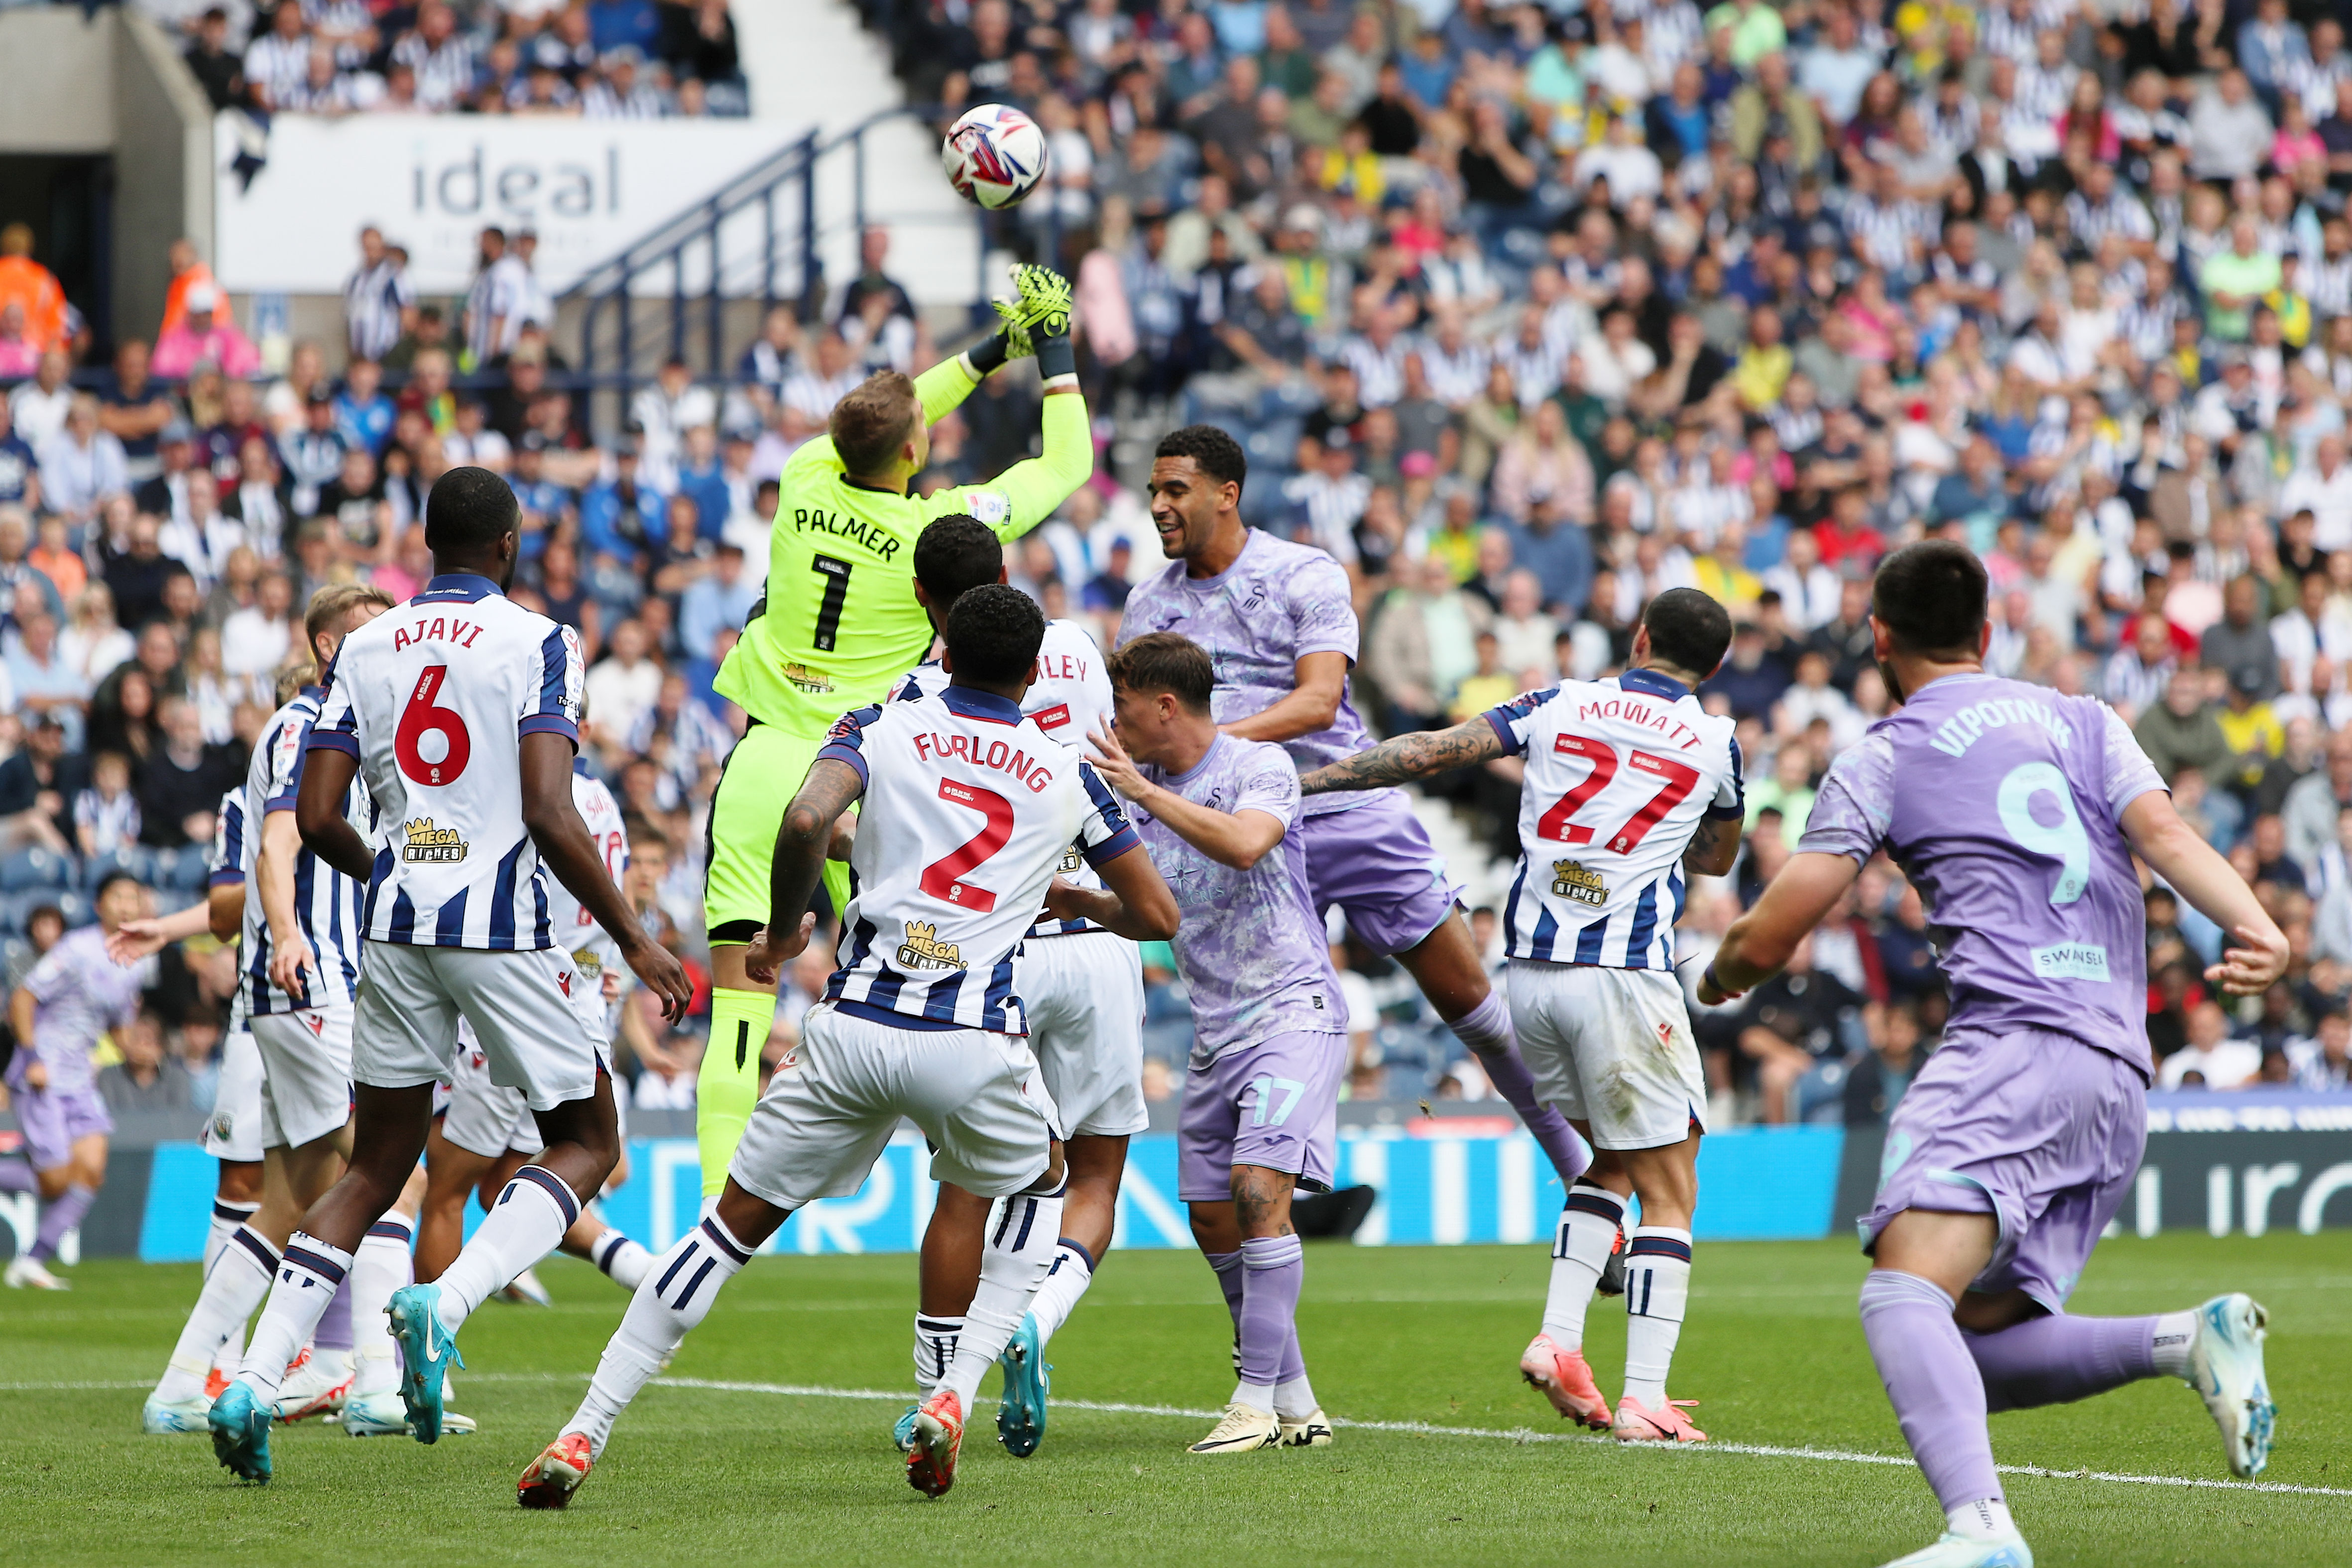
(995, 155)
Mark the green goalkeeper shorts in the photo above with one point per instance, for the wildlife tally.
(762, 773)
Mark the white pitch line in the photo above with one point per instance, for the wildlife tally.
(1409, 1429)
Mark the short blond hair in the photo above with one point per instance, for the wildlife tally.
(331, 610)
(870, 424)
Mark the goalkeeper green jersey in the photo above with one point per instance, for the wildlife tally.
(838, 621)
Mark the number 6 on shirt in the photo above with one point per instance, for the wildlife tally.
(421, 717)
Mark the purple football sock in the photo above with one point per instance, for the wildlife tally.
(1228, 1266)
(60, 1218)
(1294, 1360)
(1486, 1029)
(1938, 1395)
(16, 1176)
(2051, 1361)
(1273, 1267)
(334, 1329)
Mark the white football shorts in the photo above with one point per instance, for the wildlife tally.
(521, 1004)
(305, 1073)
(829, 1110)
(233, 1133)
(1083, 994)
(1611, 1048)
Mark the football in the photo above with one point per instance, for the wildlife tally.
(995, 155)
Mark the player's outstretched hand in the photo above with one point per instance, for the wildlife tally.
(764, 960)
(1117, 769)
(663, 974)
(135, 939)
(2253, 965)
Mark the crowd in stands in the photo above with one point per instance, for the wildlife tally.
(1523, 314)
(612, 59)
(1528, 312)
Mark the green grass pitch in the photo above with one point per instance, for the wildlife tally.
(1399, 1335)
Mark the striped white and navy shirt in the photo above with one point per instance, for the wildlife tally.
(434, 699)
(326, 902)
(1619, 773)
(373, 302)
(232, 855)
(970, 807)
(1070, 700)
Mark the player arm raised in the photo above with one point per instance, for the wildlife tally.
(1038, 323)
(802, 840)
(1239, 838)
(2197, 873)
(570, 851)
(1393, 761)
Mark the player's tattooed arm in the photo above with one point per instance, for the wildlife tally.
(803, 840)
(1713, 848)
(1414, 756)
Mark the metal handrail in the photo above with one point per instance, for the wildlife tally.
(765, 186)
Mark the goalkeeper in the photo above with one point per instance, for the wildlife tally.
(839, 623)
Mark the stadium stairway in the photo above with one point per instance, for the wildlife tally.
(1484, 880)
(811, 63)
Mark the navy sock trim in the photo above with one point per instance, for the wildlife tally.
(326, 1269)
(256, 1245)
(567, 1202)
(1659, 1247)
(720, 1239)
(1082, 1252)
(391, 1230)
(237, 1213)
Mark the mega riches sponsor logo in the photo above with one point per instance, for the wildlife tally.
(430, 844)
(924, 950)
(1575, 879)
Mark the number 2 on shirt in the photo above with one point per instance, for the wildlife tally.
(421, 717)
(943, 878)
(1678, 780)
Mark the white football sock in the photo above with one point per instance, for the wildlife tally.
(1984, 1520)
(1012, 1266)
(1295, 1399)
(226, 1217)
(1257, 1396)
(233, 1287)
(1579, 1250)
(2175, 1332)
(309, 1273)
(935, 1350)
(525, 1225)
(675, 1295)
(383, 1265)
(1066, 1279)
(622, 1260)
(1657, 1288)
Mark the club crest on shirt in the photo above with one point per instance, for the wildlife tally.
(429, 844)
(924, 950)
(1575, 879)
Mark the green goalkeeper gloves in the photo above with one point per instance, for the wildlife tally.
(1036, 321)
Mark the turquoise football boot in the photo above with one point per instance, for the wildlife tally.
(427, 1352)
(240, 1424)
(1021, 1414)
